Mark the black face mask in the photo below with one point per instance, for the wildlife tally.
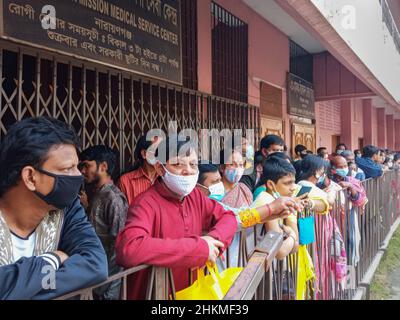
(65, 191)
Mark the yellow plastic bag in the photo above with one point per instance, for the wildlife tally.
(305, 272)
(211, 287)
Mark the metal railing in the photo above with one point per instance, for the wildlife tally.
(161, 283)
(265, 278)
(376, 221)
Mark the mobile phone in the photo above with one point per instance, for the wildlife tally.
(304, 190)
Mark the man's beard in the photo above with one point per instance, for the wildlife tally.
(96, 180)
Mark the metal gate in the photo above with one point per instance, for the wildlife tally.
(106, 106)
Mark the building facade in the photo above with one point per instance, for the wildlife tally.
(316, 72)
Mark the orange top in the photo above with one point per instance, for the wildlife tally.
(134, 183)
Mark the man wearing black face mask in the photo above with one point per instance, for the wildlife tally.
(47, 245)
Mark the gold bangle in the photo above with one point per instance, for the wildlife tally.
(249, 218)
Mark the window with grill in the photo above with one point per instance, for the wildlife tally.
(189, 43)
(229, 55)
(301, 62)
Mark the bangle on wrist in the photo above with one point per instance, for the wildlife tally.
(269, 212)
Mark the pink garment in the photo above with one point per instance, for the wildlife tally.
(240, 196)
(362, 197)
(330, 255)
(324, 229)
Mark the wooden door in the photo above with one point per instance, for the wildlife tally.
(335, 142)
(272, 126)
(303, 134)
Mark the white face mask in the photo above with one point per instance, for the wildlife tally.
(217, 189)
(181, 185)
(151, 161)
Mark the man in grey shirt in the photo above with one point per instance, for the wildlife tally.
(107, 208)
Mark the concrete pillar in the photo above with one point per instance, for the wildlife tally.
(347, 115)
(204, 35)
(381, 128)
(390, 131)
(367, 121)
(397, 134)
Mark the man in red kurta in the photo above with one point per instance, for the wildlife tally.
(165, 225)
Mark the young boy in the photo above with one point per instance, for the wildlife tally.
(279, 180)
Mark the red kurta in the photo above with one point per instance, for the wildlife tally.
(163, 231)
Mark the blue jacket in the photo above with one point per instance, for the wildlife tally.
(86, 265)
(370, 168)
(360, 175)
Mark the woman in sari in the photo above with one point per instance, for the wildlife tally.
(237, 195)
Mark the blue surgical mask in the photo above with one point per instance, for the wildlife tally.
(342, 172)
(233, 175)
(217, 191)
(250, 152)
(321, 180)
(276, 195)
(216, 197)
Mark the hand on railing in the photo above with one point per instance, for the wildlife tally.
(254, 274)
(215, 248)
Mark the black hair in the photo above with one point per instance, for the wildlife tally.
(204, 169)
(28, 143)
(275, 168)
(357, 151)
(270, 140)
(369, 151)
(173, 146)
(281, 155)
(396, 157)
(142, 144)
(347, 153)
(101, 154)
(299, 148)
(319, 151)
(258, 157)
(341, 145)
(309, 167)
(309, 152)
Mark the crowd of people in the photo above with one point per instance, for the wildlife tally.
(179, 213)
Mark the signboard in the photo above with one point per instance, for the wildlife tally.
(300, 100)
(143, 36)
